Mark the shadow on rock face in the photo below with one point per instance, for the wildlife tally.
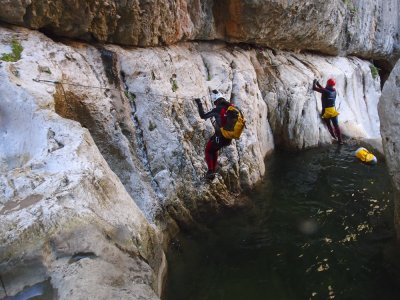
(42, 290)
(29, 280)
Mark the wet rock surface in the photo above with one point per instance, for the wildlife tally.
(101, 150)
(389, 113)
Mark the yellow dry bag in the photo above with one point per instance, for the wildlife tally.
(365, 156)
(330, 112)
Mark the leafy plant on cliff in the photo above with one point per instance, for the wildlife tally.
(208, 71)
(174, 83)
(15, 55)
(131, 97)
(374, 71)
(350, 6)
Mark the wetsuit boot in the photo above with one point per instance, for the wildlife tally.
(339, 135)
(210, 175)
(330, 129)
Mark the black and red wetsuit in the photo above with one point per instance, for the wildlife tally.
(329, 113)
(217, 141)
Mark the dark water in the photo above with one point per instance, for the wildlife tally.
(321, 228)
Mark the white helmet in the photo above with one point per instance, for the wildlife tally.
(216, 95)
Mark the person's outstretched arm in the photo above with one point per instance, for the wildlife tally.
(317, 87)
(203, 115)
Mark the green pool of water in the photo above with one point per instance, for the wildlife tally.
(321, 228)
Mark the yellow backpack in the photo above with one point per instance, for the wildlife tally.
(234, 123)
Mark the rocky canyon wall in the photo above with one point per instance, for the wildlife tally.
(102, 149)
(64, 214)
(390, 126)
(367, 28)
(101, 144)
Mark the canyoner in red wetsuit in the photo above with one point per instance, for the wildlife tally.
(329, 113)
(217, 141)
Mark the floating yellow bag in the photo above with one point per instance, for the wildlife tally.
(365, 156)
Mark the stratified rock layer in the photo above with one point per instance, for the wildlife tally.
(367, 28)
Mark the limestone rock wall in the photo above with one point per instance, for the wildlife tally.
(389, 112)
(131, 22)
(372, 25)
(285, 80)
(64, 214)
(102, 149)
(367, 28)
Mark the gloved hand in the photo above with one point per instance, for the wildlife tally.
(197, 100)
(314, 81)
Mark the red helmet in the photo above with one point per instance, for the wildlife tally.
(331, 82)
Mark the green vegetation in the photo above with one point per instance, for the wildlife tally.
(350, 6)
(174, 84)
(15, 55)
(374, 71)
(131, 97)
(208, 72)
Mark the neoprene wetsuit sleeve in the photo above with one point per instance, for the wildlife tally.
(317, 86)
(200, 109)
(203, 115)
(317, 89)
